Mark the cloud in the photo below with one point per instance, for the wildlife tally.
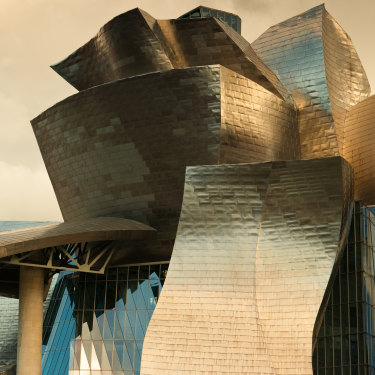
(26, 195)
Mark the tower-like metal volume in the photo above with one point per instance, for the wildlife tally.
(265, 146)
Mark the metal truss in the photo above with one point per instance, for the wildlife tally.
(90, 257)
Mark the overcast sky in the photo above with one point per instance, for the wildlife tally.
(37, 33)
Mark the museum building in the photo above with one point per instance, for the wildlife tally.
(218, 202)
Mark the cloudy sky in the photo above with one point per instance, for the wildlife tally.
(37, 33)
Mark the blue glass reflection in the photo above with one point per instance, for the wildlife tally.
(99, 322)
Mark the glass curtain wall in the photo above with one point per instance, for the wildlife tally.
(346, 340)
(96, 323)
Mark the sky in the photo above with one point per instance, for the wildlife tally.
(35, 34)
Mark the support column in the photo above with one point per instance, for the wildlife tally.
(30, 323)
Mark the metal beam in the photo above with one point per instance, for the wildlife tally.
(72, 257)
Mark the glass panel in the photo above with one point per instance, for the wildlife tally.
(112, 274)
(321, 354)
(100, 295)
(131, 298)
(106, 320)
(89, 294)
(337, 350)
(329, 351)
(110, 295)
(143, 272)
(142, 295)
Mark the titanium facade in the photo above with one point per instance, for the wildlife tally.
(266, 147)
(315, 60)
(358, 148)
(202, 12)
(207, 121)
(256, 270)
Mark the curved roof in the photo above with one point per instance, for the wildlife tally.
(88, 230)
(135, 43)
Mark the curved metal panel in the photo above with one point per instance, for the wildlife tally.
(121, 149)
(303, 220)
(194, 42)
(255, 247)
(135, 43)
(317, 63)
(95, 229)
(124, 47)
(346, 79)
(359, 146)
(255, 124)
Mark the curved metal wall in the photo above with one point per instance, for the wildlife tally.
(121, 149)
(255, 124)
(359, 148)
(346, 79)
(124, 47)
(255, 247)
(135, 43)
(317, 63)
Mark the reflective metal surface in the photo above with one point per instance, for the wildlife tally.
(359, 148)
(316, 61)
(255, 247)
(256, 243)
(203, 12)
(129, 149)
(124, 47)
(135, 43)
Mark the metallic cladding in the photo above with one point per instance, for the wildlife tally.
(255, 124)
(95, 229)
(255, 247)
(359, 148)
(124, 47)
(135, 43)
(118, 150)
(317, 63)
(256, 243)
(211, 41)
(346, 79)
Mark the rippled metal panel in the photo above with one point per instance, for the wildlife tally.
(316, 61)
(135, 43)
(255, 247)
(346, 79)
(197, 42)
(124, 47)
(121, 149)
(359, 148)
(255, 124)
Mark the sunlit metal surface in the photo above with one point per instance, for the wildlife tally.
(94, 229)
(316, 61)
(83, 245)
(203, 12)
(124, 47)
(124, 152)
(256, 242)
(255, 247)
(359, 148)
(135, 43)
